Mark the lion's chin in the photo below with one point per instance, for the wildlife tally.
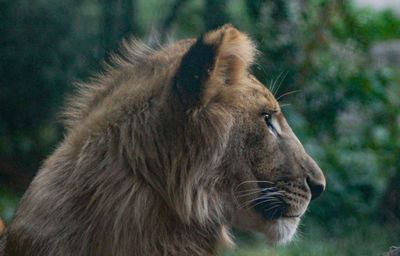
(280, 231)
(277, 231)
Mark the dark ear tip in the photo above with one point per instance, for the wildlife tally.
(194, 70)
(225, 49)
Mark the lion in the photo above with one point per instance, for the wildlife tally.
(163, 154)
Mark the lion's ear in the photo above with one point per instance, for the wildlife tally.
(218, 58)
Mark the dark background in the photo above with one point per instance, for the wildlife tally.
(335, 68)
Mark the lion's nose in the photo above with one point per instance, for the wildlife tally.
(315, 178)
(316, 187)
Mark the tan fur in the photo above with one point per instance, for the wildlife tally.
(2, 227)
(164, 153)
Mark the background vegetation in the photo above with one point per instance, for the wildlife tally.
(341, 97)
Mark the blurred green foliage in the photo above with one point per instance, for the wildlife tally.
(315, 242)
(314, 55)
(8, 201)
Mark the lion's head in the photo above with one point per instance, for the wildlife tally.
(164, 153)
(267, 178)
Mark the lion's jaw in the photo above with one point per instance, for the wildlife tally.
(276, 231)
(282, 230)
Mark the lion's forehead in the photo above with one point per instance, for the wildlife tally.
(253, 94)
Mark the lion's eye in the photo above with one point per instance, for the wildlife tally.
(268, 121)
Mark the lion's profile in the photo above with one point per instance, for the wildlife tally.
(163, 154)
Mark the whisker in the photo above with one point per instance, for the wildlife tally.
(273, 214)
(256, 189)
(234, 190)
(256, 181)
(276, 205)
(260, 67)
(249, 190)
(271, 194)
(265, 199)
(274, 81)
(248, 194)
(281, 82)
(252, 181)
(287, 93)
(249, 204)
(285, 105)
(272, 197)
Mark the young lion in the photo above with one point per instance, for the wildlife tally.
(163, 154)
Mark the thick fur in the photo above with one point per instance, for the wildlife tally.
(156, 151)
(2, 227)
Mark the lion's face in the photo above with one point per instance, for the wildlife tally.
(273, 178)
(270, 177)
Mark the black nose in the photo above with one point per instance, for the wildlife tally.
(316, 188)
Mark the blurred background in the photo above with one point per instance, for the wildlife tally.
(335, 65)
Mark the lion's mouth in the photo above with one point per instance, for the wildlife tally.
(270, 211)
(270, 204)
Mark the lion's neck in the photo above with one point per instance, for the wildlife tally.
(145, 217)
(164, 232)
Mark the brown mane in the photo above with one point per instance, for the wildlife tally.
(125, 159)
